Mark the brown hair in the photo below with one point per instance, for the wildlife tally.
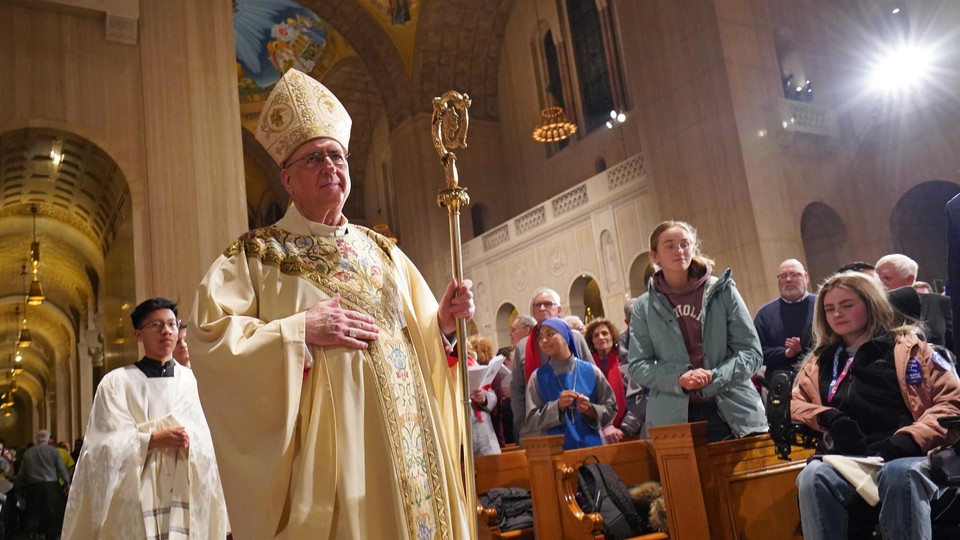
(880, 315)
(595, 325)
(698, 261)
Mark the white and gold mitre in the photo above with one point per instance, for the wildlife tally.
(300, 109)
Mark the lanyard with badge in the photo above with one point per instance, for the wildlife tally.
(838, 378)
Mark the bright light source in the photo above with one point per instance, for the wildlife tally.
(762, 133)
(56, 157)
(616, 118)
(18, 357)
(895, 10)
(901, 68)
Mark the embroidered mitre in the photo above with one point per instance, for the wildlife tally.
(298, 110)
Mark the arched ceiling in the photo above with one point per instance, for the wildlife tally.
(78, 193)
(457, 47)
(381, 58)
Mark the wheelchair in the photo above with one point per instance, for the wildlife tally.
(944, 511)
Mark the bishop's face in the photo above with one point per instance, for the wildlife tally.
(317, 178)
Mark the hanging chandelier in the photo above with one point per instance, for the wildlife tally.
(553, 126)
(23, 338)
(35, 296)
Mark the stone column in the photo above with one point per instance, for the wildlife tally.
(192, 201)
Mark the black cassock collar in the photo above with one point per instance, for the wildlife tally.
(153, 368)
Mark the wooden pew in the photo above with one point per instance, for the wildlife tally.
(553, 475)
(507, 469)
(729, 490)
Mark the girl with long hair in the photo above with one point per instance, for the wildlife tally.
(693, 343)
(871, 389)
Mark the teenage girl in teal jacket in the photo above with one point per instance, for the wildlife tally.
(693, 343)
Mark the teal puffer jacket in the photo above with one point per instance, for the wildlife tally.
(731, 348)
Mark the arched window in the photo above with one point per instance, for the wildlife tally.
(554, 82)
(596, 57)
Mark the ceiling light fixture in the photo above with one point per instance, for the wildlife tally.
(553, 126)
(23, 338)
(35, 296)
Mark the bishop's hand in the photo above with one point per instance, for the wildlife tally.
(457, 303)
(329, 324)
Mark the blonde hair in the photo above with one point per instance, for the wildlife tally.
(483, 348)
(698, 261)
(881, 318)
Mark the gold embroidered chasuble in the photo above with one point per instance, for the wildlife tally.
(327, 442)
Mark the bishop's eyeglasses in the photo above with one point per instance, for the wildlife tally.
(315, 160)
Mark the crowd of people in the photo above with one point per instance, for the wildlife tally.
(872, 355)
(327, 372)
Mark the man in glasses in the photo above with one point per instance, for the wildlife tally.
(147, 468)
(781, 322)
(320, 353)
(544, 305)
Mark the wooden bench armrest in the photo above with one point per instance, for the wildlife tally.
(486, 516)
(567, 482)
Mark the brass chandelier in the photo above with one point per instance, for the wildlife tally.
(553, 126)
(23, 338)
(35, 296)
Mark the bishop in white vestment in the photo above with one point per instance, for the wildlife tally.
(320, 353)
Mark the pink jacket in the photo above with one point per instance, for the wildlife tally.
(938, 395)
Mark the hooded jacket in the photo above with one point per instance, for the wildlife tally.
(731, 349)
(938, 394)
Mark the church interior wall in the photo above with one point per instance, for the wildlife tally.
(705, 84)
(592, 231)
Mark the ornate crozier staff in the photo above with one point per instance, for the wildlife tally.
(449, 131)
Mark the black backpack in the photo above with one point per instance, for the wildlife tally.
(602, 491)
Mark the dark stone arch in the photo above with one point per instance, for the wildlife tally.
(440, 52)
(376, 51)
(918, 224)
(825, 241)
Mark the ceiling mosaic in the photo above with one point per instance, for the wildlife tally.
(273, 36)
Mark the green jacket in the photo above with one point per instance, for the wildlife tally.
(731, 348)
